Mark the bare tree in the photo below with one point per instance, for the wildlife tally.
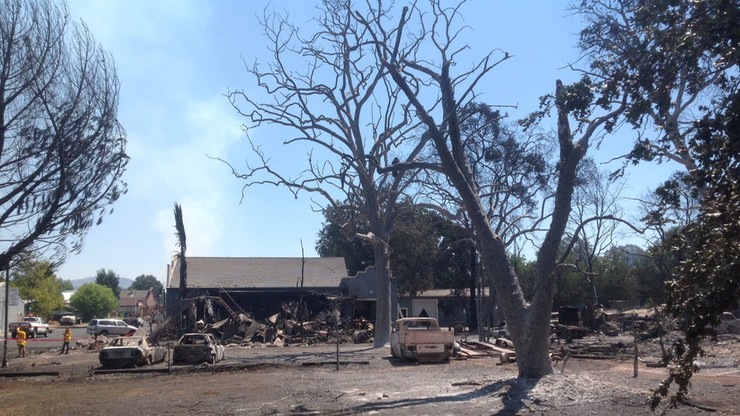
(596, 216)
(62, 149)
(512, 173)
(437, 97)
(328, 92)
(666, 211)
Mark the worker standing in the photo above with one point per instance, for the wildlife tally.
(67, 339)
(20, 339)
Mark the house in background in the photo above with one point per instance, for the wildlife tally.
(16, 305)
(67, 294)
(131, 302)
(220, 287)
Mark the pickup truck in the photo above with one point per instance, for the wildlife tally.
(421, 339)
(33, 325)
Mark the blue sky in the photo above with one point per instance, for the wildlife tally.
(176, 60)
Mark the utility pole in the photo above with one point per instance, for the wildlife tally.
(5, 314)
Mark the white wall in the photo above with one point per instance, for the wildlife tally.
(15, 306)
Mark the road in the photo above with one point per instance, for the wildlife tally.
(54, 340)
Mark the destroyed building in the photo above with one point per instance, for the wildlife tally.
(218, 287)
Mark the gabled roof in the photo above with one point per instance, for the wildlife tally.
(259, 272)
(133, 293)
(129, 298)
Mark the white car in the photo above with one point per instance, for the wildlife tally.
(68, 320)
(108, 327)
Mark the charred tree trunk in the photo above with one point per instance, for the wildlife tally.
(475, 297)
(383, 293)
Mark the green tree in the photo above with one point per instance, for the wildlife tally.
(145, 281)
(66, 284)
(678, 63)
(337, 238)
(92, 300)
(643, 282)
(426, 250)
(36, 280)
(674, 59)
(707, 280)
(110, 279)
(617, 279)
(62, 149)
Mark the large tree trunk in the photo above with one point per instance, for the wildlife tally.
(475, 297)
(527, 323)
(383, 293)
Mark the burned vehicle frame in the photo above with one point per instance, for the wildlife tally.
(196, 348)
(131, 351)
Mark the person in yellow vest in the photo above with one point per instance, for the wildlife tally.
(67, 339)
(20, 339)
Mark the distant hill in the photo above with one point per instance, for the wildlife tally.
(123, 282)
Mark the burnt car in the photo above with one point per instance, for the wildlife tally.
(196, 348)
(131, 351)
(421, 339)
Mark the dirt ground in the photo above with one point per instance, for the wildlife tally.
(304, 380)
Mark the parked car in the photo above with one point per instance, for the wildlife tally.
(109, 327)
(68, 320)
(196, 348)
(129, 352)
(134, 321)
(33, 325)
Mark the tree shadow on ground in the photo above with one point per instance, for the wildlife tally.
(513, 393)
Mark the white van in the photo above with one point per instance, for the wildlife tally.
(109, 327)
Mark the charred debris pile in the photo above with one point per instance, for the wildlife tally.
(286, 327)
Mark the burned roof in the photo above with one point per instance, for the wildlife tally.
(259, 272)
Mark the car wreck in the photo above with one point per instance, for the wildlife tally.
(196, 348)
(421, 339)
(129, 351)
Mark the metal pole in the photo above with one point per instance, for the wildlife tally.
(5, 329)
(634, 341)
